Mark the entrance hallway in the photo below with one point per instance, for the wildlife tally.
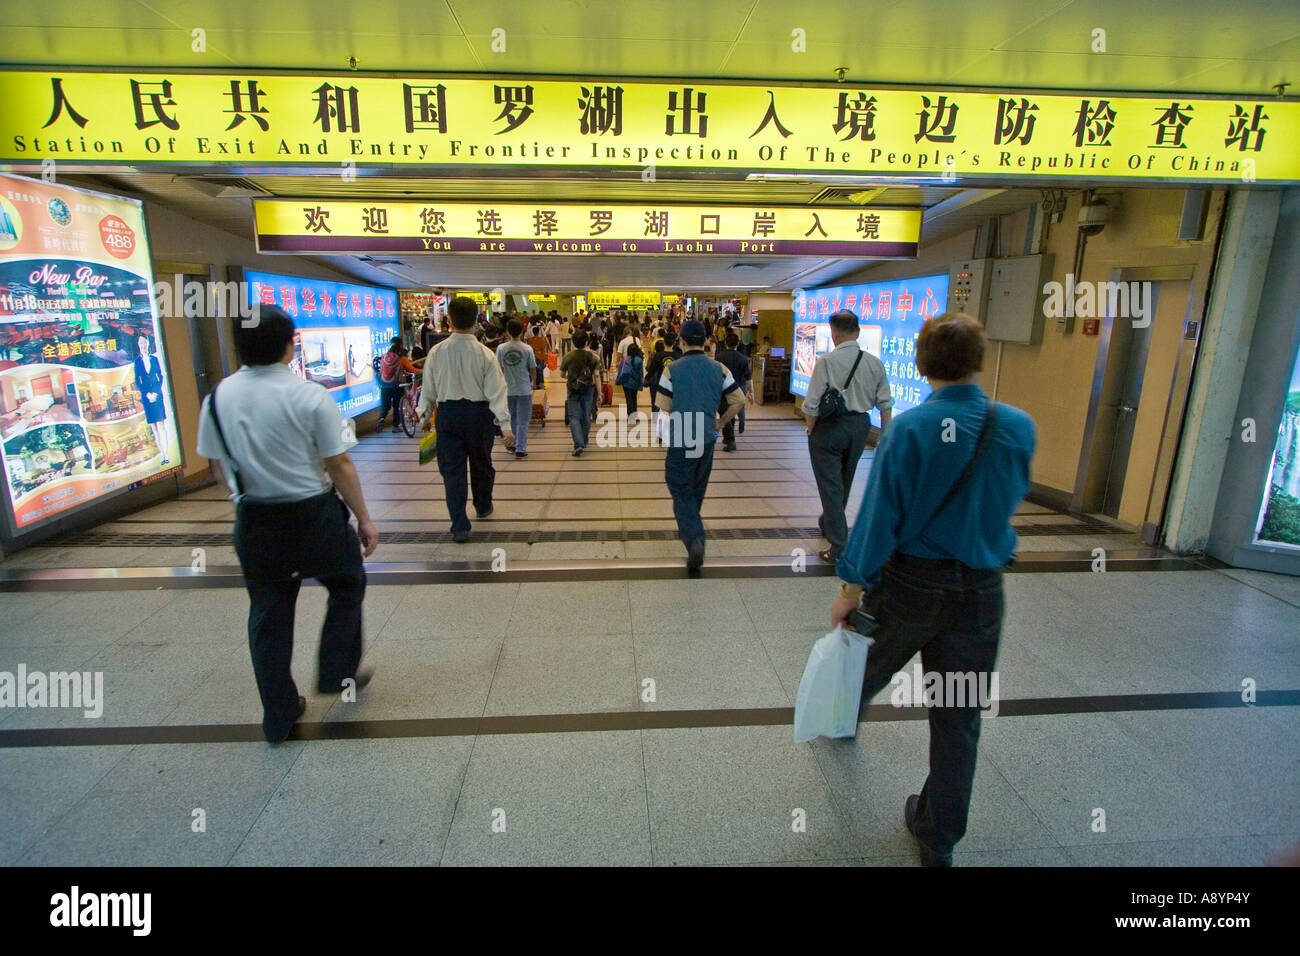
(522, 695)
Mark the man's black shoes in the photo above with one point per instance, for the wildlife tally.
(302, 709)
(694, 556)
(928, 856)
(460, 537)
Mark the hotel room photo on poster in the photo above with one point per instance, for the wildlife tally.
(85, 401)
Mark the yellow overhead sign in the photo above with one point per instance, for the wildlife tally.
(338, 121)
(616, 298)
(593, 229)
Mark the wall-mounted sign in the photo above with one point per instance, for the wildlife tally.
(249, 118)
(417, 303)
(85, 398)
(557, 229)
(536, 300)
(623, 299)
(340, 329)
(891, 314)
(579, 303)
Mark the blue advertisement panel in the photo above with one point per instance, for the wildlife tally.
(891, 314)
(341, 328)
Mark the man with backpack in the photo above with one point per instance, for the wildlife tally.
(580, 368)
(846, 384)
(743, 372)
(391, 366)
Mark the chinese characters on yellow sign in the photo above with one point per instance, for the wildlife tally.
(564, 229)
(629, 298)
(324, 120)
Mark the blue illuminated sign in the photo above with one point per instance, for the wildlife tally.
(341, 328)
(891, 314)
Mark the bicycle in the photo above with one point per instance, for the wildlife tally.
(405, 413)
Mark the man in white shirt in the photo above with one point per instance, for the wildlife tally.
(836, 446)
(553, 334)
(633, 335)
(466, 388)
(282, 446)
(566, 336)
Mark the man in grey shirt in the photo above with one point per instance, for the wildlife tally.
(836, 446)
(517, 362)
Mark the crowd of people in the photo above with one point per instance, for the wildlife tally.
(922, 563)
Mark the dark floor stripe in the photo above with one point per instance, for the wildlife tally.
(625, 720)
(179, 539)
(601, 569)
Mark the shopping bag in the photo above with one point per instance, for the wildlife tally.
(429, 447)
(552, 361)
(830, 691)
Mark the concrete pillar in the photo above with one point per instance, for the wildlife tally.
(1239, 273)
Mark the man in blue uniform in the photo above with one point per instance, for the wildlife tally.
(928, 547)
(692, 390)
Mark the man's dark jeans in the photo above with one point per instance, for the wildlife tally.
(835, 449)
(952, 614)
(688, 479)
(261, 536)
(578, 410)
(466, 431)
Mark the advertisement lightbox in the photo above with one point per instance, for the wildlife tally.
(891, 314)
(340, 329)
(1279, 515)
(85, 399)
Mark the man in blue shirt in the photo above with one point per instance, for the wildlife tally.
(691, 390)
(932, 561)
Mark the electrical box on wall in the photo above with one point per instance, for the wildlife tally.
(1015, 304)
(968, 287)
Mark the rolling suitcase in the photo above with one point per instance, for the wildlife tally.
(606, 390)
(541, 407)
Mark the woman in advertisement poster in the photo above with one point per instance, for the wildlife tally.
(149, 382)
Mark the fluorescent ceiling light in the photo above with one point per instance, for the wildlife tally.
(908, 182)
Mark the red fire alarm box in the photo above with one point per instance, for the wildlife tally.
(1091, 326)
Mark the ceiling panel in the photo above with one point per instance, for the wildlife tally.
(1184, 45)
(593, 21)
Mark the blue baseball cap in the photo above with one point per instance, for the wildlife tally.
(693, 333)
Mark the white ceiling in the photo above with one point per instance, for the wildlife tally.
(1182, 45)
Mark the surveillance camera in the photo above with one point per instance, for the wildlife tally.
(1093, 217)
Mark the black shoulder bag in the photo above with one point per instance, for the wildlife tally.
(863, 620)
(832, 406)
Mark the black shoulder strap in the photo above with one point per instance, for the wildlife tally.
(981, 446)
(234, 465)
(852, 371)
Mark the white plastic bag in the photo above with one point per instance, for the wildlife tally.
(830, 691)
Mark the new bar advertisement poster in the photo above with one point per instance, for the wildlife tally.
(86, 407)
